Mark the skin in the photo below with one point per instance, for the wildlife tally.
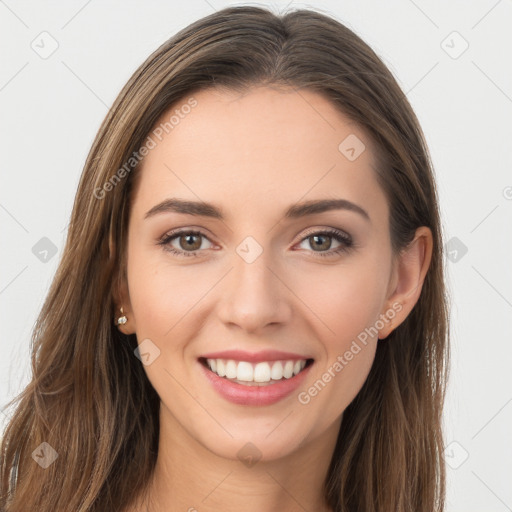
(254, 155)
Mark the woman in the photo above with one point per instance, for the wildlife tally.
(250, 309)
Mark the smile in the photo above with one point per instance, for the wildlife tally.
(259, 379)
(262, 373)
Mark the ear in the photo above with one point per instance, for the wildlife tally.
(410, 269)
(121, 299)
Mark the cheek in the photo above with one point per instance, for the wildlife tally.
(162, 294)
(346, 299)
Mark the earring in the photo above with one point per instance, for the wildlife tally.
(122, 319)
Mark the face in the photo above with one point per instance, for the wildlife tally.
(256, 282)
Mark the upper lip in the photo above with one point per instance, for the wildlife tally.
(255, 357)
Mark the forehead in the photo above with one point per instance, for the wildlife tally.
(259, 148)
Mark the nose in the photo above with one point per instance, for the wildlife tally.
(254, 296)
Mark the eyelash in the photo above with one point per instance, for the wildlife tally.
(339, 236)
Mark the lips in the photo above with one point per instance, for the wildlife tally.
(261, 378)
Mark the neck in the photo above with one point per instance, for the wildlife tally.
(189, 477)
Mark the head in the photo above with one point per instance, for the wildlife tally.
(254, 117)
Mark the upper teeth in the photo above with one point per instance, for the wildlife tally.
(256, 372)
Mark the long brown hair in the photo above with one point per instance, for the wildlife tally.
(89, 397)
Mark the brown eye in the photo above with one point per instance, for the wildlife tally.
(184, 243)
(321, 242)
(190, 242)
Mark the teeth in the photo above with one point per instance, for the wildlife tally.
(244, 371)
(262, 372)
(288, 369)
(255, 372)
(231, 369)
(221, 367)
(277, 370)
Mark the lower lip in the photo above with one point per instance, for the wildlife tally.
(241, 394)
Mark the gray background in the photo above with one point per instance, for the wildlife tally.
(53, 104)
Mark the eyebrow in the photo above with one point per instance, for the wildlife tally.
(203, 209)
